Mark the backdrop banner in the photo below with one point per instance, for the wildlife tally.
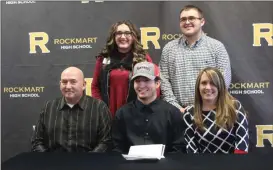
(40, 39)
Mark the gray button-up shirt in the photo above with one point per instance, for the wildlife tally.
(181, 63)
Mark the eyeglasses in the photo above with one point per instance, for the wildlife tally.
(191, 19)
(126, 33)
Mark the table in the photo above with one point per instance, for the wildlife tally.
(111, 161)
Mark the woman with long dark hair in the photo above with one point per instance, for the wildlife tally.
(111, 80)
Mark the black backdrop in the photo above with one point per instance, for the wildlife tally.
(77, 31)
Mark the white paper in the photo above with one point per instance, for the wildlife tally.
(129, 157)
(151, 152)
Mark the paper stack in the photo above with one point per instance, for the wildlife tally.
(152, 152)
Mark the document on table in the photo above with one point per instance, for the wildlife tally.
(152, 152)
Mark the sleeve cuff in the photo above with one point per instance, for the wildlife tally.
(237, 151)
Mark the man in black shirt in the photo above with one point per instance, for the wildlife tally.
(147, 120)
(74, 122)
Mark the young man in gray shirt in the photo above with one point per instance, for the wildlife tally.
(183, 58)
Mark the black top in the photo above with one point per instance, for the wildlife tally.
(214, 139)
(156, 123)
(84, 127)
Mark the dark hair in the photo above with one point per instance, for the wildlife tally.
(188, 7)
(157, 79)
(139, 54)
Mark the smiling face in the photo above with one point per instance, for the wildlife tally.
(146, 88)
(210, 88)
(191, 22)
(207, 89)
(123, 38)
(72, 84)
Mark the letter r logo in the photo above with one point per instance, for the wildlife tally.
(33, 42)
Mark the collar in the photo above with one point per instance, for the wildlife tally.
(185, 43)
(140, 105)
(81, 103)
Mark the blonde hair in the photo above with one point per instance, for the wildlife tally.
(225, 103)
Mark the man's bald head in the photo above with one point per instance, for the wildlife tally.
(75, 71)
(72, 84)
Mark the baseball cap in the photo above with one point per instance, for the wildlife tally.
(146, 69)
